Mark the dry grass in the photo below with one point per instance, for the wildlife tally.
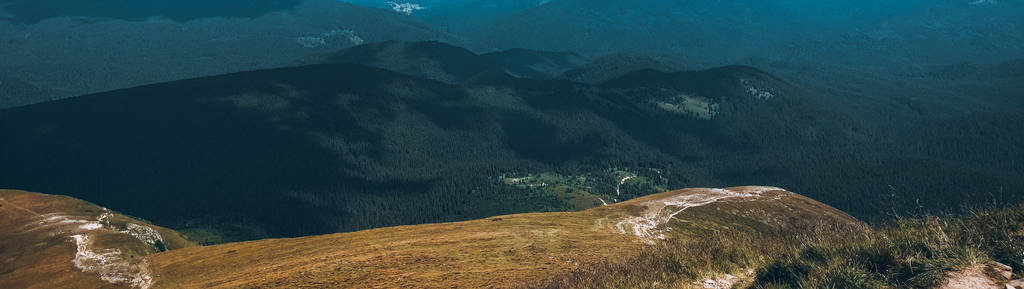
(733, 238)
(37, 252)
(496, 252)
(584, 249)
(910, 253)
(526, 250)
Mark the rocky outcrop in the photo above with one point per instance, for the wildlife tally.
(980, 278)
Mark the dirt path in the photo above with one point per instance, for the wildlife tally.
(650, 224)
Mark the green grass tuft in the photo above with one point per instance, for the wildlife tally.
(908, 253)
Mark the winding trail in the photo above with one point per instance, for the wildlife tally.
(649, 225)
(618, 191)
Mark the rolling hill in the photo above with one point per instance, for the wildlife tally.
(499, 252)
(740, 237)
(53, 241)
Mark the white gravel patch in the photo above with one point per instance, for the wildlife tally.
(109, 264)
(650, 224)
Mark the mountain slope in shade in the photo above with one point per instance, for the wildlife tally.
(16, 92)
(345, 147)
(534, 64)
(111, 53)
(348, 147)
(452, 64)
(615, 65)
(51, 241)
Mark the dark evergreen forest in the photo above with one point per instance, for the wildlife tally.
(330, 148)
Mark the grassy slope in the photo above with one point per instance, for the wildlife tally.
(911, 253)
(498, 252)
(36, 247)
(769, 238)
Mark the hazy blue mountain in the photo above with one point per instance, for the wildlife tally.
(32, 11)
(904, 33)
(79, 55)
(452, 64)
(454, 15)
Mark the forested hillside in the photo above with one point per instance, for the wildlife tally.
(328, 148)
(452, 64)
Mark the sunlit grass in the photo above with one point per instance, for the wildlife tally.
(908, 253)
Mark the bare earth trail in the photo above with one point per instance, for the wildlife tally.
(659, 212)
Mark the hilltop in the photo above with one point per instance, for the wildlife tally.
(740, 237)
(51, 241)
(500, 252)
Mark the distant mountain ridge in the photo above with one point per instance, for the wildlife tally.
(33, 11)
(454, 15)
(898, 34)
(615, 65)
(452, 64)
(111, 54)
(17, 92)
